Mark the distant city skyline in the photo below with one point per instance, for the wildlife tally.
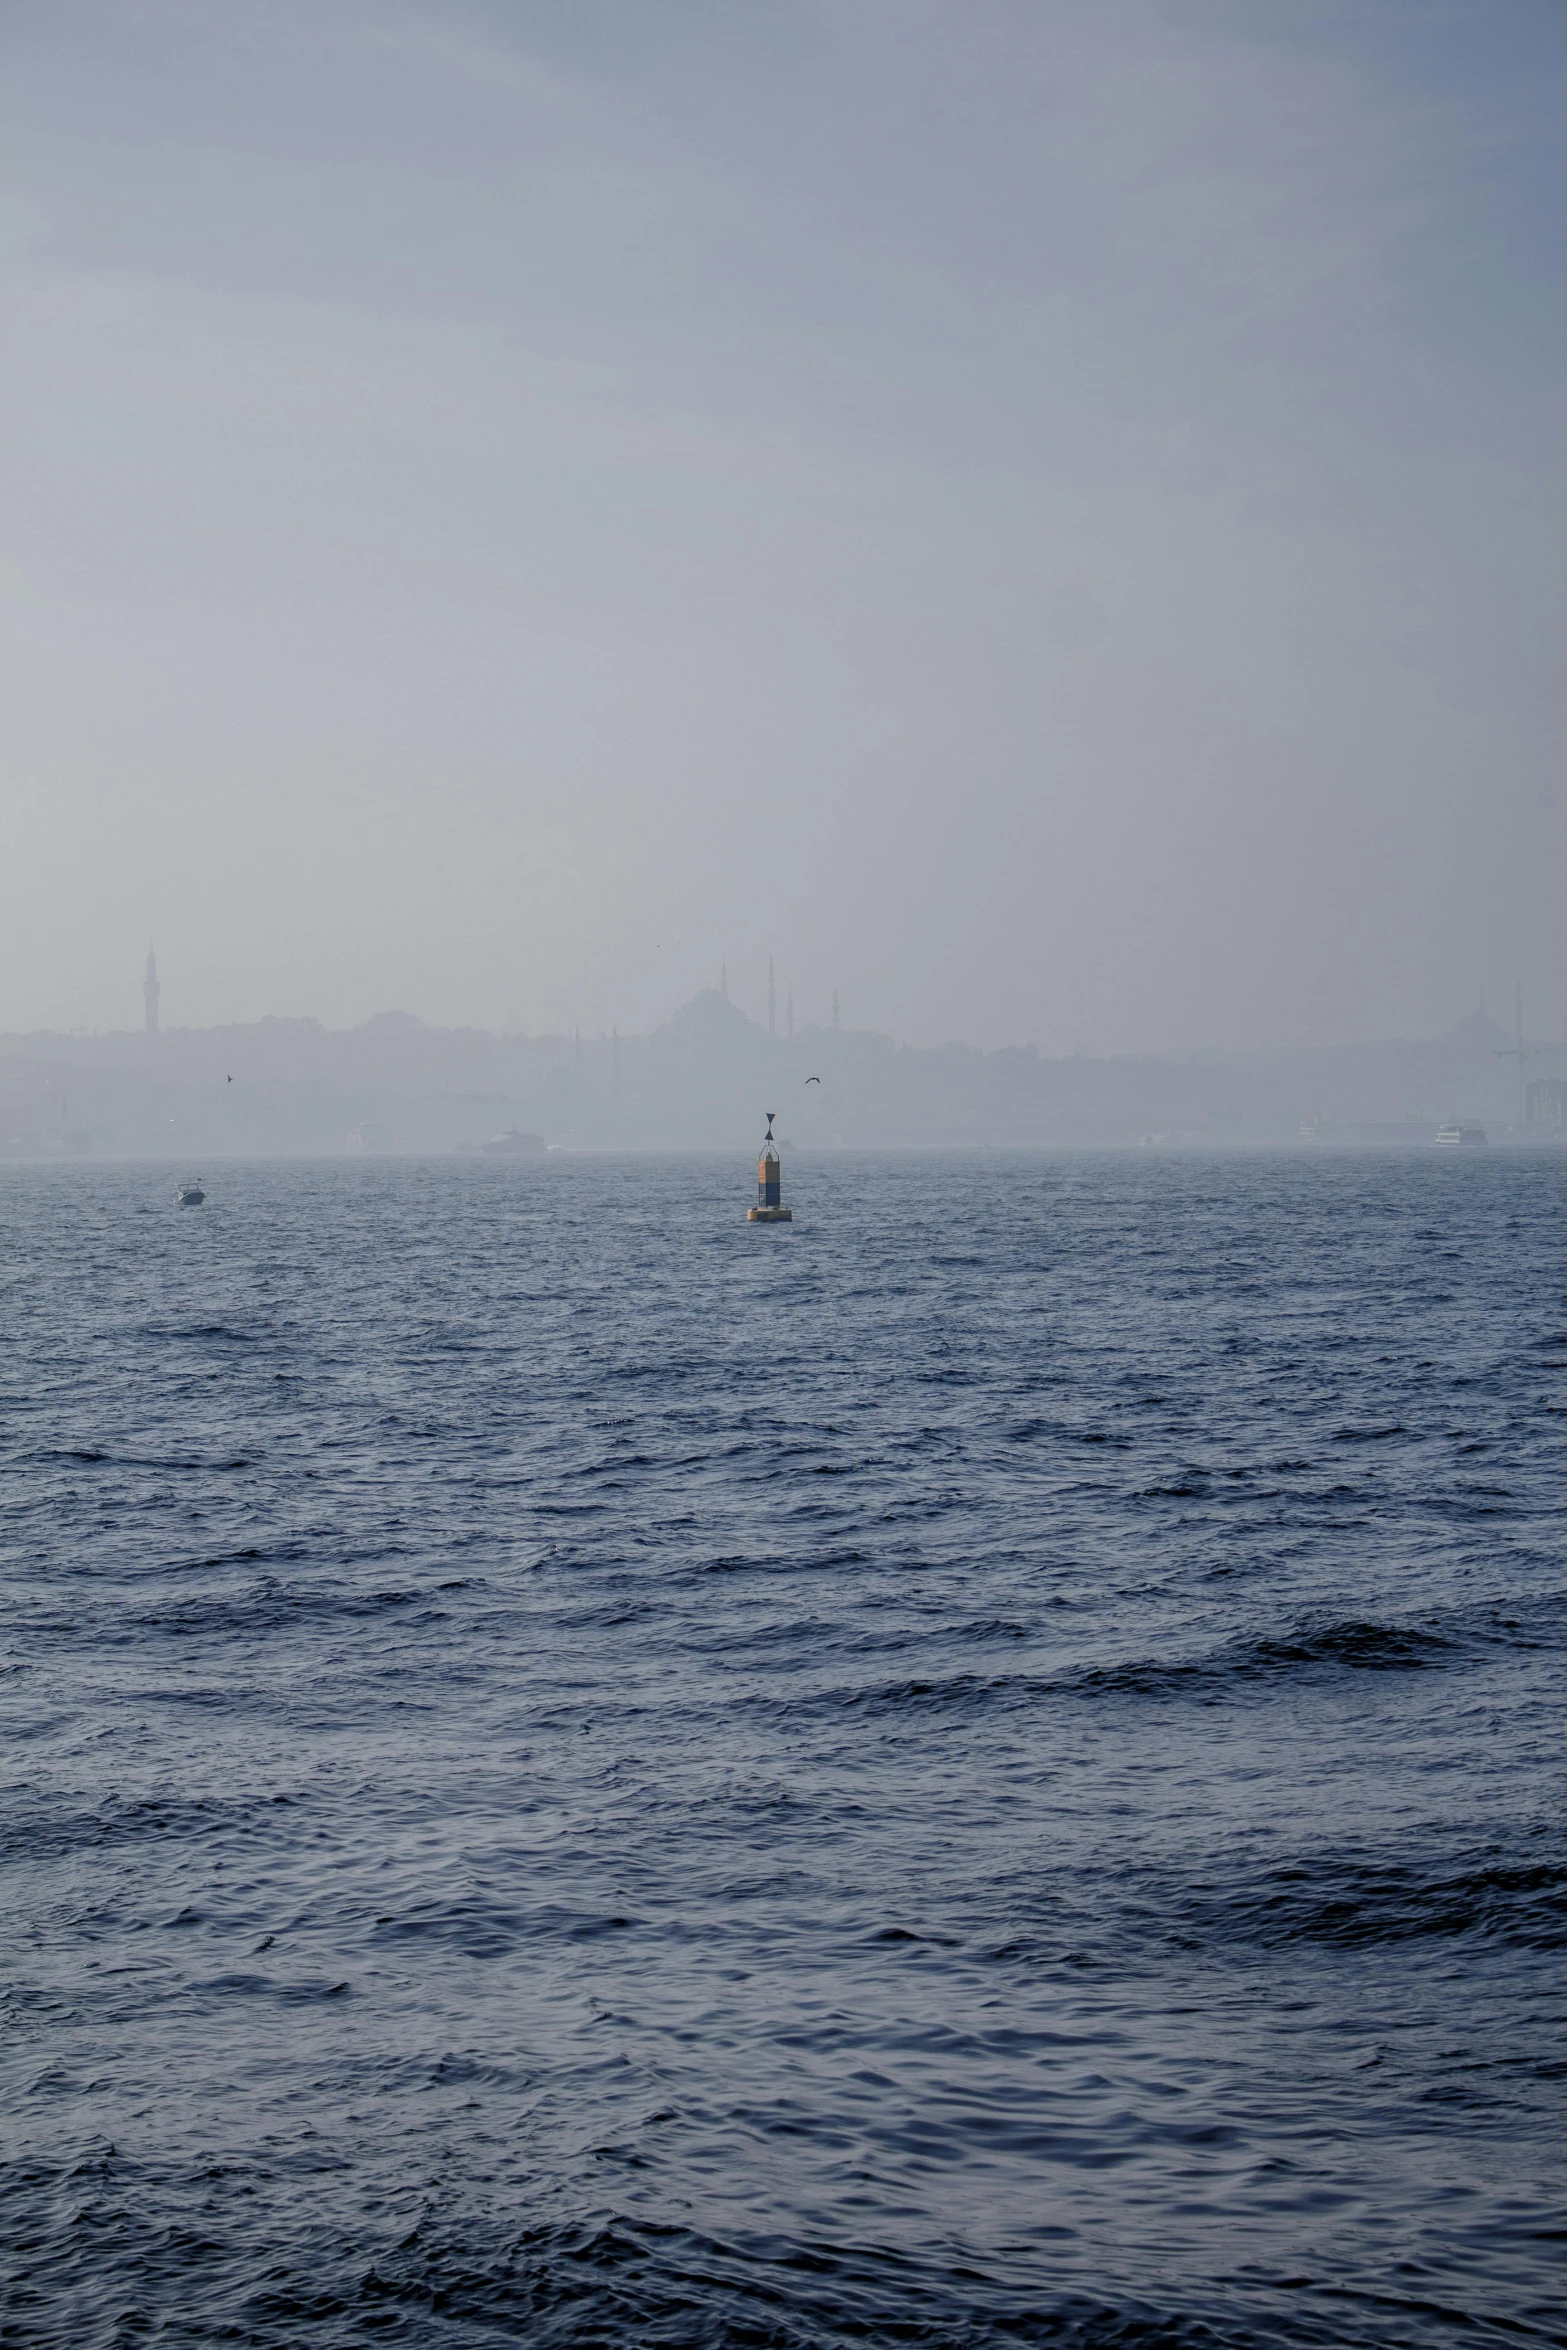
(1519, 1044)
(700, 1079)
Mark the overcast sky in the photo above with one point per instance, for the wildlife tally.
(1046, 515)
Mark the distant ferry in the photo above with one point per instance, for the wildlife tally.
(512, 1145)
(1453, 1136)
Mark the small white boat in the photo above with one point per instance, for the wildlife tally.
(512, 1145)
(191, 1195)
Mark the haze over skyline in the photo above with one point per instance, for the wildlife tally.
(1045, 518)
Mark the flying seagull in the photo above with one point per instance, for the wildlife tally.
(813, 1081)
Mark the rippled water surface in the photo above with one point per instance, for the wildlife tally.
(983, 1768)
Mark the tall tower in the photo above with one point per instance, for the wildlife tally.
(150, 992)
(772, 1000)
(835, 1007)
(791, 1011)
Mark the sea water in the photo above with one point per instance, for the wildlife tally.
(984, 1767)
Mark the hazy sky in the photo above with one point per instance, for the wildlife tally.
(1045, 514)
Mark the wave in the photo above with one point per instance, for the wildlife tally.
(115, 2254)
(1320, 1898)
(37, 1830)
(1352, 1645)
(1353, 1901)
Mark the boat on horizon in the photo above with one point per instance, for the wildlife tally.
(1456, 1136)
(514, 1145)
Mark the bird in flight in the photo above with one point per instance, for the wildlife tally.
(231, 1081)
(813, 1081)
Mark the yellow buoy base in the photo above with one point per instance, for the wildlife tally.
(769, 1215)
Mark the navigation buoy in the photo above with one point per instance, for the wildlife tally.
(769, 1184)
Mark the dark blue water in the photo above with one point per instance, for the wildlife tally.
(986, 1768)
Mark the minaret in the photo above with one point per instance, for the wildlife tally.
(772, 1000)
(150, 992)
(791, 1014)
(723, 982)
(835, 1007)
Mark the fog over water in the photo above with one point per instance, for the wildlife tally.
(1045, 518)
